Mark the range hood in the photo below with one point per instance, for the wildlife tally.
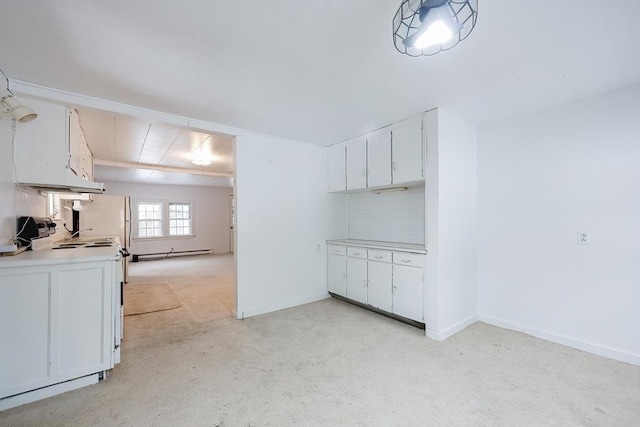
(51, 153)
(69, 184)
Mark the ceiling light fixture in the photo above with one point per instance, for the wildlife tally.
(426, 27)
(201, 162)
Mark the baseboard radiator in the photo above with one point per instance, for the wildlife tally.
(164, 255)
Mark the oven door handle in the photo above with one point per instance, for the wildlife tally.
(125, 253)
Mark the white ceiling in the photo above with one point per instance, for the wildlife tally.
(318, 70)
(163, 153)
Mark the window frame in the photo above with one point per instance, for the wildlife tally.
(165, 219)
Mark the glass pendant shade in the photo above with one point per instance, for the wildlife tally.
(426, 27)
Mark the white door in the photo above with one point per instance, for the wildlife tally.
(379, 160)
(24, 331)
(407, 292)
(380, 277)
(357, 279)
(406, 153)
(357, 165)
(336, 168)
(337, 274)
(81, 329)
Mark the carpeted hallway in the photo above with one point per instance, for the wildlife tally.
(330, 364)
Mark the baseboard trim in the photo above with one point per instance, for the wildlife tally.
(451, 330)
(600, 350)
(256, 311)
(44, 392)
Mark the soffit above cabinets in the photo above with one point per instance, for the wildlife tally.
(139, 146)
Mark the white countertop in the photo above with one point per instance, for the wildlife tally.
(377, 244)
(48, 256)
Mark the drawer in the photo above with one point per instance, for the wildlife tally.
(404, 258)
(357, 252)
(336, 250)
(382, 256)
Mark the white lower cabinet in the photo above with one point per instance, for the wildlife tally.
(357, 279)
(407, 292)
(386, 280)
(56, 324)
(380, 282)
(337, 274)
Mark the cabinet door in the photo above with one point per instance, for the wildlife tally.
(407, 292)
(406, 153)
(379, 294)
(357, 165)
(75, 143)
(336, 168)
(24, 332)
(357, 279)
(379, 160)
(337, 274)
(82, 329)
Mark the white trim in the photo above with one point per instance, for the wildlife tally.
(589, 347)
(48, 93)
(131, 165)
(43, 393)
(243, 313)
(451, 330)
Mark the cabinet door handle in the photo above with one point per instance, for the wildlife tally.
(364, 283)
(393, 290)
(393, 166)
(378, 257)
(406, 260)
(356, 253)
(344, 277)
(368, 283)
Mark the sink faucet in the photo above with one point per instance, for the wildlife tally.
(78, 232)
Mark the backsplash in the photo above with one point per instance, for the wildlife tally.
(390, 217)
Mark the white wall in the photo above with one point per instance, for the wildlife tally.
(451, 200)
(211, 215)
(284, 214)
(13, 202)
(389, 217)
(542, 178)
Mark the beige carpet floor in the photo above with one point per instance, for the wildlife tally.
(331, 364)
(141, 298)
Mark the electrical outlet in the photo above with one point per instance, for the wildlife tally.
(583, 238)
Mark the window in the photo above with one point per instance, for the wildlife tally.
(179, 219)
(162, 219)
(149, 219)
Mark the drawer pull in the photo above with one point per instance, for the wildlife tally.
(356, 253)
(378, 257)
(406, 260)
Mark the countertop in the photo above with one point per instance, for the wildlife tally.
(47, 256)
(377, 244)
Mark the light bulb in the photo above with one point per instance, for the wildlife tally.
(437, 33)
(438, 26)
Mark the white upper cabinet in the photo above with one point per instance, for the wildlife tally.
(379, 160)
(357, 165)
(81, 158)
(389, 157)
(337, 168)
(406, 153)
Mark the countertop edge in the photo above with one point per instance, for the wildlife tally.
(394, 246)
